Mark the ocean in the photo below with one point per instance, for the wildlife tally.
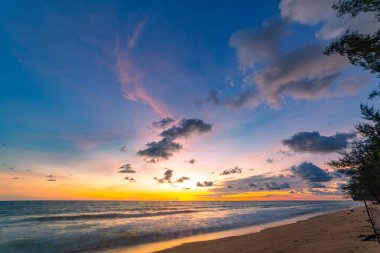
(78, 226)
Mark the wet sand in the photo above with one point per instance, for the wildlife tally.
(339, 232)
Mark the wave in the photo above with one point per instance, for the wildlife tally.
(102, 216)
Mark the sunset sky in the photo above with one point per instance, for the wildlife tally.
(175, 100)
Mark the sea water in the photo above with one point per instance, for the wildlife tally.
(75, 226)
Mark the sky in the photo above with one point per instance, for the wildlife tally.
(175, 100)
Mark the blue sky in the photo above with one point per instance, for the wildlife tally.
(81, 80)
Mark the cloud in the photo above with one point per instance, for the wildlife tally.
(285, 153)
(162, 149)
(124, 149)
(163, 122)
(306, 12)
(248, 96)
(166, 147)
(264, 182)
(167, 178)
(182, 179)
(311, 173)
(304, 73)
(276, 186)
(310, 12)
(316, 185)
(185, 128)
(324, 191)
(314, 142)
(126, 168)
(353, 84)
(136, 33)
(17, 178)
(302, 179)
(234, 170)
(130, 179)
(168, 174)
(257, 45)
(271, 74)
(270, 160)
(51, 178)
(131, 76)
(205, 184)
(191, 161)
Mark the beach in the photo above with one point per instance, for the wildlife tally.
(338, 232)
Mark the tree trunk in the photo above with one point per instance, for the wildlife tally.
(373, 192)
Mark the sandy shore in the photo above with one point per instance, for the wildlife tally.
(336, 232)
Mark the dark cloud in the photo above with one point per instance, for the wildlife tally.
(249, 96)
(162, 149)
(126, 168)
(323, 192)
(270, 160)
(16, 178)
(205, 184)
(316, 185)
(213, 97)
(234, 170)
(166, 147)
(304, 73)
(276, 186)
(311, 173)
(187, 127)
(123, 149)
(191, 161)
(182, 179)
(271, 74)
(264, 182)
(269, 185)
(163, 122)
(337, 174)
(168, 174)
(285, 153)
(186, 188)
(51, 178)
(130, 179)
(167, 178)
(313, 142)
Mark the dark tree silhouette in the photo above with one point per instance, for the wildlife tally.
(361, 161)
(361, 49)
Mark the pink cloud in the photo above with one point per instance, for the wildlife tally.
(131, 76)
(136, 34)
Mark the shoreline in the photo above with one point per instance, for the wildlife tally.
(173, 244)
(339, 232)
